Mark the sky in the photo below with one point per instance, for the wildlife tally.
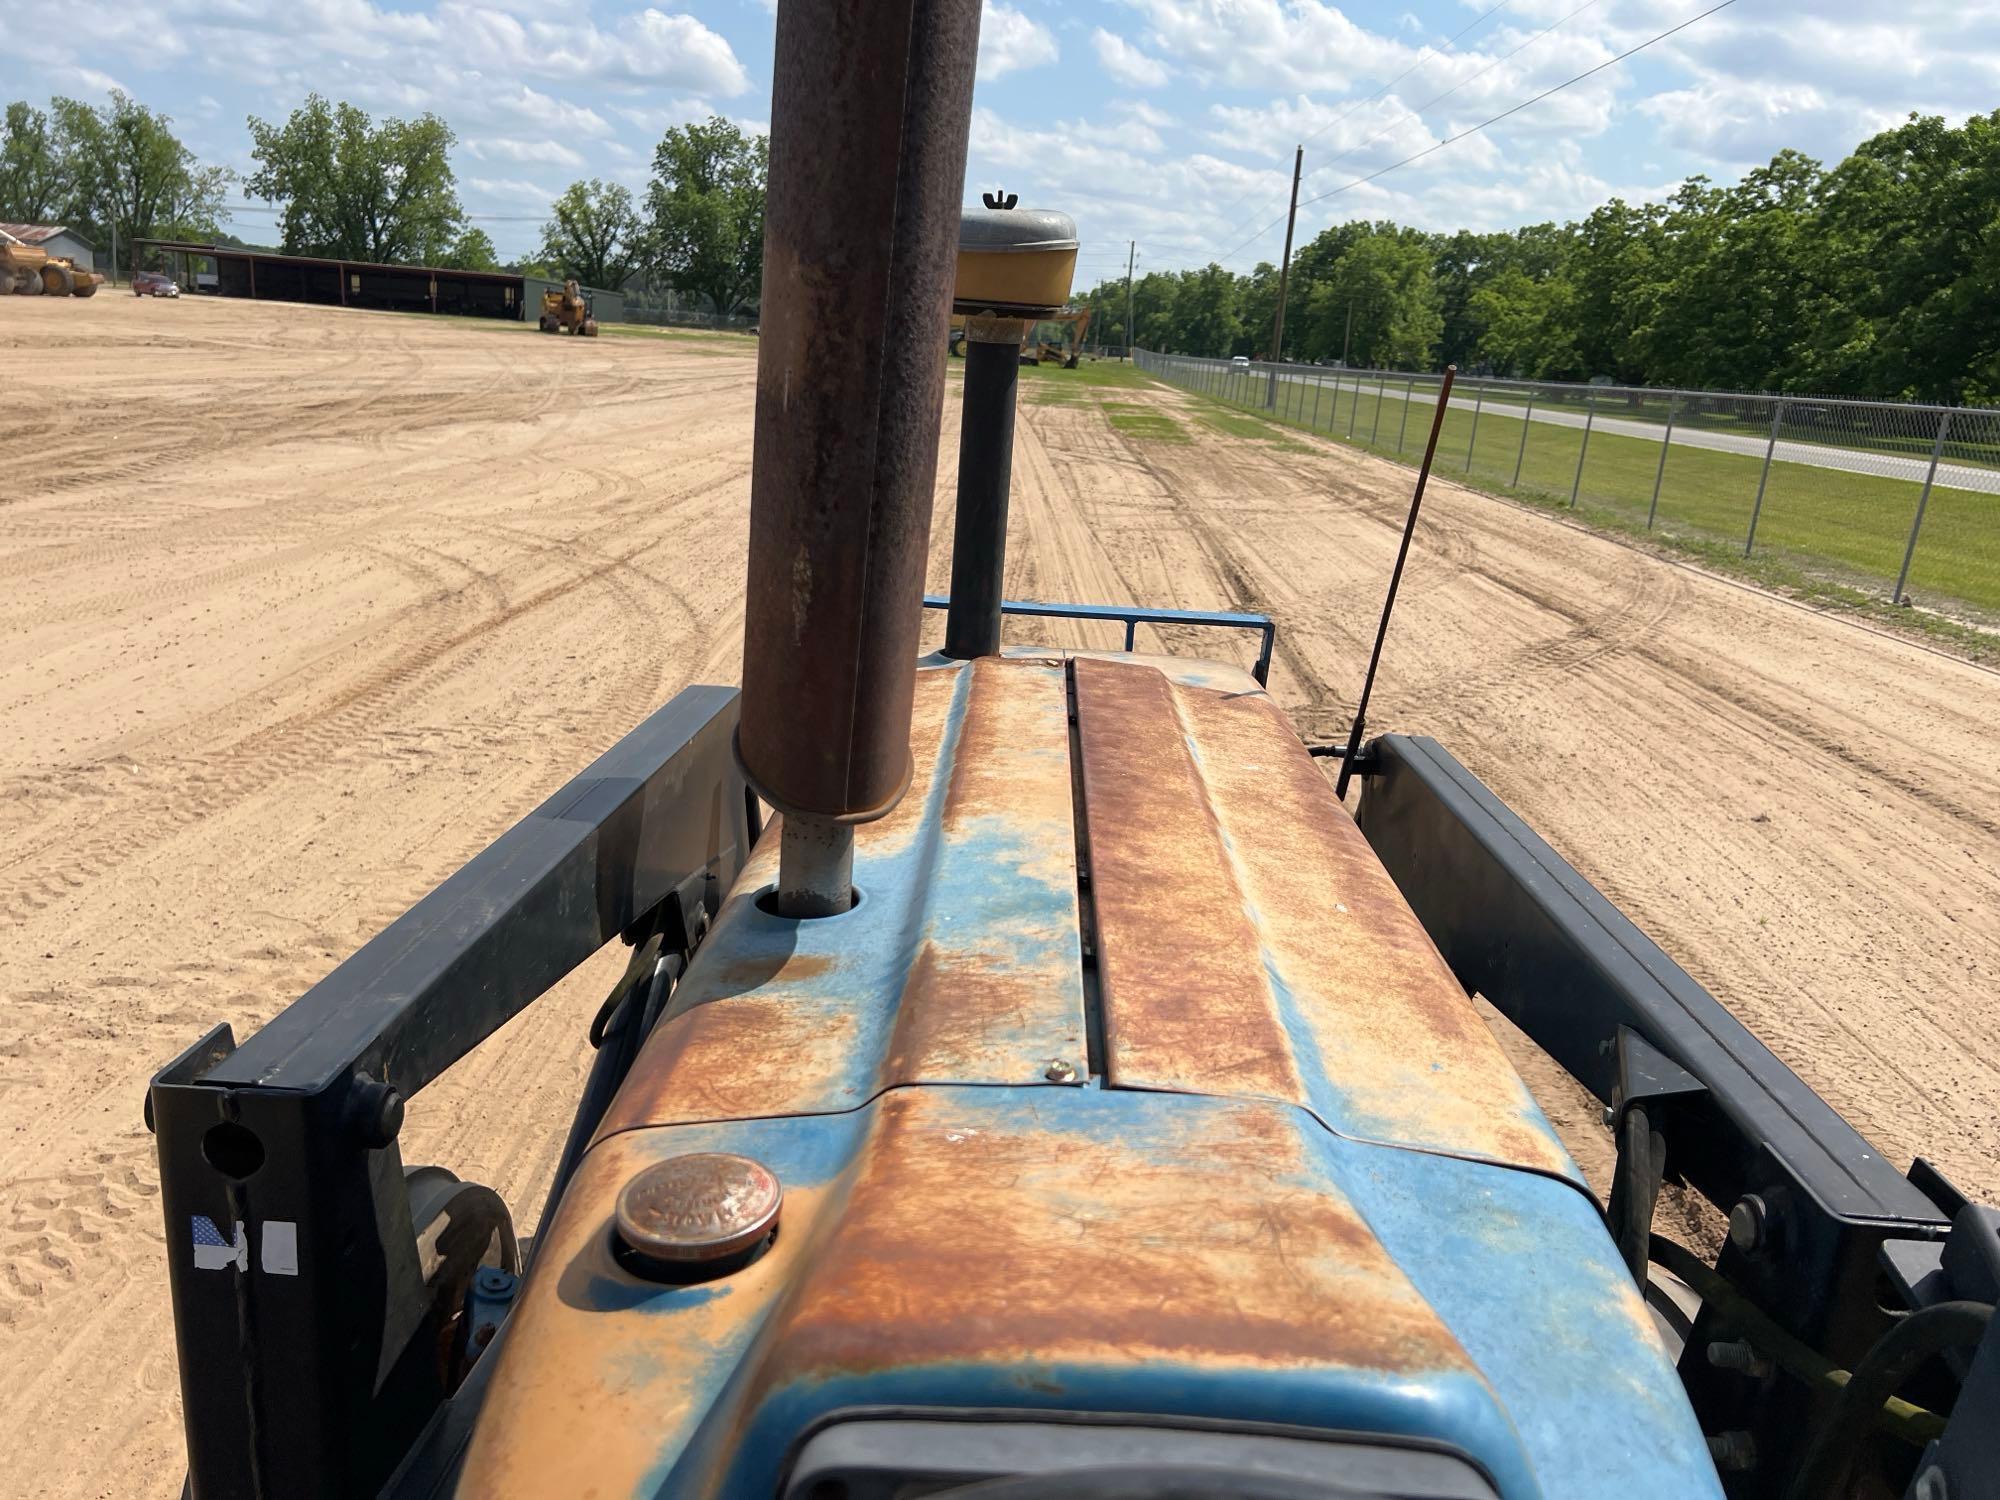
(1169, 123)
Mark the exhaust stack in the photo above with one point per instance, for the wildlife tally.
(871, 108)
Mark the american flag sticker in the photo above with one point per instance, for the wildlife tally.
(213, 1253)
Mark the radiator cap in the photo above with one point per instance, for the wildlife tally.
(694, 1212)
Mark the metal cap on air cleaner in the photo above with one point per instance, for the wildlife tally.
(692, 1217)
(1013, 262)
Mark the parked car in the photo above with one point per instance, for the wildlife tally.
(154, 284)
(1241, 362)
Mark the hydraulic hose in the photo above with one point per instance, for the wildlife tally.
(1896, 1356)
(1909, 1422)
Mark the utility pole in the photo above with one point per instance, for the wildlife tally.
(1347, 337)
(1131, 256)
(1285, 265)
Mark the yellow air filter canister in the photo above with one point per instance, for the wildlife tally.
(1014, 262)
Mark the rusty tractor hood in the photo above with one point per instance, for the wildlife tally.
(1131, 1085)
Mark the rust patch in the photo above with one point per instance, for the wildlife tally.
(1401, 1045)
(960, 965)
(735, 1058)
(1186, 1002)
(1026, 1245)
(1015, 1230)
(958, 1010)
(1014, 712)
(930, 714)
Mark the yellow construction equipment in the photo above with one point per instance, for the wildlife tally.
(29, 271)
(568, 311)
(1057, 339)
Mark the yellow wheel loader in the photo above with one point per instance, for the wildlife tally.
(568, 311)
(29, 271)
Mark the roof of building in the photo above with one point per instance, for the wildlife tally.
(38, 234)
(244, 252)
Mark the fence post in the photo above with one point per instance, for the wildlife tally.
(1478, 399)
(1930, 475)
(1527, 419)
(1589, 416)
(1777, 416)
(1375, 428)
(1319, 400)
(1654, 509)
(1409, 395)
(1354, 409)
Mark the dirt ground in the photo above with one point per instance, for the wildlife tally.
(299, 608)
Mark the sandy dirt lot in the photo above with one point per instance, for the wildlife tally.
(299, 608)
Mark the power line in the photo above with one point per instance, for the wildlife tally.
(1438, 99)
(1419, 109)
(1422, 57)
(274, 211)
(1492, 120)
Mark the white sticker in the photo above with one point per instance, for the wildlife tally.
(280, 1247)
(213, 1253)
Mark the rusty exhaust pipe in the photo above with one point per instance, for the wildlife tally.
(871, 106)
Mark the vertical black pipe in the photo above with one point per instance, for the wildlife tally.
(985, 475)
(871, 105)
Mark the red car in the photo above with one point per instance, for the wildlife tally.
(154, 284)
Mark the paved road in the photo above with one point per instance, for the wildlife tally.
(1818, 455)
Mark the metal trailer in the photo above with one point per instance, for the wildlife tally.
(1119, 1125)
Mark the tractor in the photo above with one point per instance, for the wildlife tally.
(30, 271)
(568, 311)
(1031, 1076)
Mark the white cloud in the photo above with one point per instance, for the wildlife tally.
(554, 152)
(1126, 63)
(650, 47)
(549, 113)
(1260, 44)
(1010, 40)
(533, 194)
(656, 119)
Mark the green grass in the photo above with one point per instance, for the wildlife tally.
(1219, 418)
(694, 340)
(1847, 528)
(1145, 422)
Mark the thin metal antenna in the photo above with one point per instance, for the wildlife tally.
(1395, 578)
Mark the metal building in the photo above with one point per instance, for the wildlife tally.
(231, 271)
(57, 239)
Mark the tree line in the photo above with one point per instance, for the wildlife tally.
(349, 187)
(108, 171)
(1877, 277)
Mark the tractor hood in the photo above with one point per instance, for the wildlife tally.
(1130, 1088)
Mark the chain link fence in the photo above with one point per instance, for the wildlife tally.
(671, 317)
(1882, 498)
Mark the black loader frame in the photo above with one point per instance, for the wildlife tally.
(313, 1309)
(316, 1339)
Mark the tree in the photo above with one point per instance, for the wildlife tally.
(1206, 308)
(594, 235)
(127, 168)
(35, 185)
(705, 211)
(1379, 304)
(1908, 302)
(471, 251)
(1527, 326)
(355, 190)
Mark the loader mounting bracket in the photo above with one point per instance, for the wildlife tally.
(1695, 1096)
(308, 1339)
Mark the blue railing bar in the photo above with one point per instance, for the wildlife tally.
(1132, 616)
